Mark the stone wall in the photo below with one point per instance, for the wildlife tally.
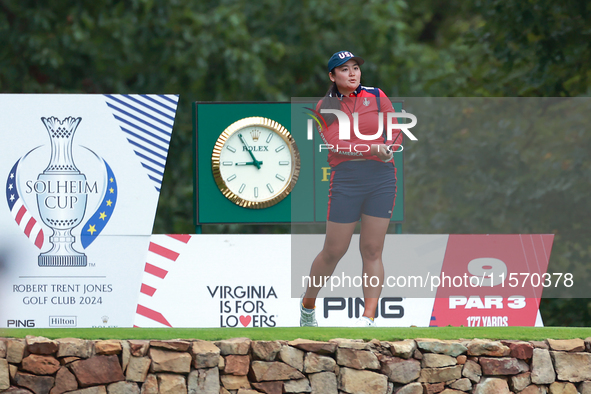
(241, 366)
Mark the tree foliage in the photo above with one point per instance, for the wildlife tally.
(515, 172)
(465, 177)
(530, 48)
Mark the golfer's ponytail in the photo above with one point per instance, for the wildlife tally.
(330, 101)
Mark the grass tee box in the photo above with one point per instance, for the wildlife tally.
(314, 333)
(307, 203)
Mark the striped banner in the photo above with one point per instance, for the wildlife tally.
(26, 222)
(160, 258)
(147, 121)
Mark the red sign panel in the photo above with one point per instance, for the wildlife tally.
(493, 280)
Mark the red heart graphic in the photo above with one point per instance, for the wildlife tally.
(245, 320)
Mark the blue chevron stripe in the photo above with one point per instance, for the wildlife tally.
(137, 119)
(139, 137)
(150, 151)
(159, 164)
(169, 97)
(137, 127)
(147, 121)
(147, 167)
(154, 109)
(140, 111)
(149, 98)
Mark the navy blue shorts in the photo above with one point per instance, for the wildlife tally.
(357, 187)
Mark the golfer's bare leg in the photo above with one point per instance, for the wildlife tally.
(371, 245)
(336, 243)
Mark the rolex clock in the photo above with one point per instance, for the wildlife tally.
(255, 162)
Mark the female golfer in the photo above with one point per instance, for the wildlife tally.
(362, 184)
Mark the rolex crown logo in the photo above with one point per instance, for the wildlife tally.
(255, 134)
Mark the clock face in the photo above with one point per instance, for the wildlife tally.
(255, 162)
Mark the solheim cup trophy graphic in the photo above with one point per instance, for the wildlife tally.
(61, 195)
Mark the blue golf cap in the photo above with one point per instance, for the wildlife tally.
(342, 57)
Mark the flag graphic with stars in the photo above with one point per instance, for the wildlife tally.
(20, 213)
(97, 222)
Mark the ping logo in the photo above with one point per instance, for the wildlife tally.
(20, 323)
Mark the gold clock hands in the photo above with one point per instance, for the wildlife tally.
(255, 161)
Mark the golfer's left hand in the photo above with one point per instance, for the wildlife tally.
(382, 152)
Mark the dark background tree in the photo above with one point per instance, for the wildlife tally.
(273, 50)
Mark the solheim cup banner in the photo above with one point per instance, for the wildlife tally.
(82, 175)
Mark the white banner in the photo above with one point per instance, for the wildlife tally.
(245, 281)
(82, 176)
(249, 281)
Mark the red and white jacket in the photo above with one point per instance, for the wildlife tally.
(364, 102)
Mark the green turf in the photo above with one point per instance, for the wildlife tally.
(320, 334)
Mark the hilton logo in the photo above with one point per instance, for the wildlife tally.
(62, 321)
